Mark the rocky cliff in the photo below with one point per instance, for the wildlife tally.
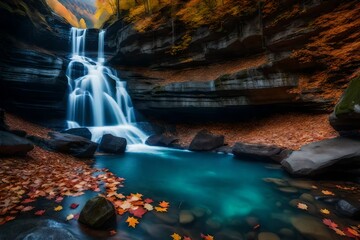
(33, 46)
(309, 51)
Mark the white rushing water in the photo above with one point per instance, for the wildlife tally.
(98, 99)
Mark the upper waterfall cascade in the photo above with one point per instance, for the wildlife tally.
(98, 99)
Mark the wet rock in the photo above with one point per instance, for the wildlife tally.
(214, 223)
(268, 236)
(307, 197)
(169, 218)
(98, 212)
(206, 141)
(259, 152)
(308, 185)
(346, 115)
(286, 233)
(349, 208)
(112, 144)
(319, 157)
(251, 236)
(288, 189)
(228, 235)
(159, 231)
(11, 144)
(82, 132)
(201, 211)
(45, 233)
(186, 217)
(3, 126)
(252, 221)
(18, 132)
(278, 181)
(161, 140)
(311, 228)
(74, 145)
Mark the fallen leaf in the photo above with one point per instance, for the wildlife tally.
(339, 232)
(148, 200)
(186, 238)
(164, 204)
(58, 208)
(59, 199)
(175, 236)
(139, 212)
(28, 200)
(352, 232)
(132, 221)
(74, 205)
(324, 211)
(326, 192)
(28, 208)
(69, 217)
(329, 223)
(112, 233)
(302, 206)
(39, 213)
(207, 237)
(148, 207)
(160, 209)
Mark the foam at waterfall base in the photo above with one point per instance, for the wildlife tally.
(132, 134)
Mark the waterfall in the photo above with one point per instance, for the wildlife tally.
(98, 99)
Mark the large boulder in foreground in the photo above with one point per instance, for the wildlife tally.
(206, 141)
(11, 144)
(98, 212)
(71, 144)
(112, 144)
(318, 157)
(346, 115)
(259, 152)
(161, 140)
(82, 132)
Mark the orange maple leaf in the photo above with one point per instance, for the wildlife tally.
(164, 204)
(160, 209)
(132, 221)
(176, 236)
(326, 192)
(302, 206)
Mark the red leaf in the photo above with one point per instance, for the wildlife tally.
(74, 205)
(139, 212)
(148, 200)
(76, 216)
(28, 200)
(329, 223)
(39, 213)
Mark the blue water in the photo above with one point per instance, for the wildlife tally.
(232, 191)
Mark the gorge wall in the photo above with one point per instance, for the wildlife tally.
(291, 54)
(287, 54)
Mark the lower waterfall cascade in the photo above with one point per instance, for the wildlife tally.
(97, 98)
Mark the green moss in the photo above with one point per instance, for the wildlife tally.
(350, 98)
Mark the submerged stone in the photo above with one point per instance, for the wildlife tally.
(268, 236)
(186, 217)
(311, 227)
(98, 212)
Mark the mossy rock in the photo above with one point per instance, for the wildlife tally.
(350, 101)
(346, 115)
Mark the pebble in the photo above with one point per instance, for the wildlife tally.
(186, 217)
(268, 236)
(214, 223)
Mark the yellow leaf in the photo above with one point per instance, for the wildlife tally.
(324, 211)
(160, 209)
(339, 232)
(132, 221)
(58, 208)
(69, 217)
(326, 192)
(148, 207)
(302, 206)
(176, 236)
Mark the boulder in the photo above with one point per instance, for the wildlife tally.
(346, 115)
(11, 144)
(318, 157)
(82, 132)
(259, 152)
(206, 141)
(98, 212)
(3, 126)
(161, 140)
(18, 132)
(112, 144)
(71, 144)
(349, 208)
